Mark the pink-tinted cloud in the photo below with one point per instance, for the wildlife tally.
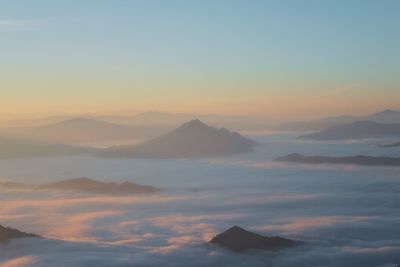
(51, 204)
(182, 224)
(76, 227)
(284, 165)
(198, 227)
(373, 249)
(298, 225)
(275, 199)
(175, 243)
(19, 262)
(72, 217)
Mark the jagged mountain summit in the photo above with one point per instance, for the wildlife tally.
(238, 239)
(7, 234)
(193, 139)
(85, 184)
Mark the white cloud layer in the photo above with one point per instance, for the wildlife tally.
(347, 217)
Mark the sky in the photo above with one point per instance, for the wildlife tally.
(263, 58)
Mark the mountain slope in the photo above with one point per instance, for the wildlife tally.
(7, 234)
(192, 139)
(356, 130)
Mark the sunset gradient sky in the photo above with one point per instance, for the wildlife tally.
(264, 58)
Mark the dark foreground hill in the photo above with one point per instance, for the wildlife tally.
(92, 186)
(239, 240)
(352, 160)
(191, 140)
(357, 130)
(7, 234)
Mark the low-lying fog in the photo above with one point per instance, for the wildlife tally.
(346, 215)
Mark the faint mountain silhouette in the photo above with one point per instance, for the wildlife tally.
(32, 122)
(17, 148)
(385, 116)
(315, 125)
(80, 130)
(356, 130)
(353, 160)
(395, 144)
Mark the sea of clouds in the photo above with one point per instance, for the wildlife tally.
(346, 215)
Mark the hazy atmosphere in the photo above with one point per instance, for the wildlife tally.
(199, 133)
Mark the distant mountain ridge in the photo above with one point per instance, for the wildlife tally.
(190, 140)
(170, 120)
(159, 122)
(240, 240)
(13, 185)
(395, 144)
(80, 130)
(351, 160)
(17, 148)
(356, 130)
(85, 184)
(385, 116)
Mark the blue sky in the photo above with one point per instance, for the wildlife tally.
(127, 50)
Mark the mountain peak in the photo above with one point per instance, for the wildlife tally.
(241, 240)
(194, 124)
(235, 228)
